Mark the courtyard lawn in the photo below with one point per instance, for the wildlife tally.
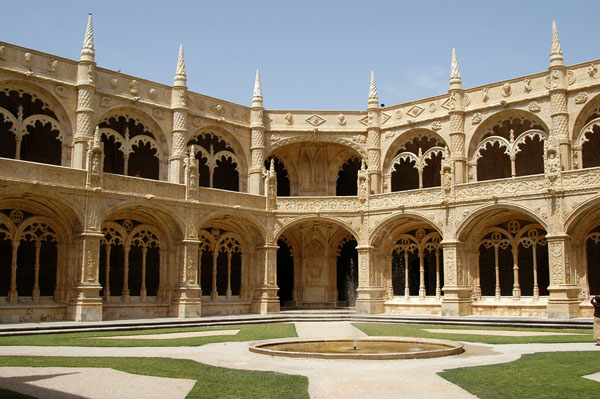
(540, 375)
(211, 382)
(250, 332)
(417, 330)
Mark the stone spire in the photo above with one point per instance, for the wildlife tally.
(87, 50)
(257, 97)
(454, 72)
(373, 96)
(180, 76)
(556, 55)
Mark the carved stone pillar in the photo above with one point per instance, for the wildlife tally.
(265, 293)
(370, 296)
(563, 302)
(457, 122)
(257, 144)
(457, 295)
(558, 81)
(85, 302)
(86, 90)
(186, 300)
(374, 153)
(180, 117)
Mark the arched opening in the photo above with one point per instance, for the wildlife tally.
(129, 148)
(347, 271)
(29, 129)
(417, 264)
(218, 163)
(5, 263)
(512, 146)
(220, 263)
(513, 260)
(129, 261)
(283, 180)
(285, 273)
(417, 164)
(592, 254)
(346, 184)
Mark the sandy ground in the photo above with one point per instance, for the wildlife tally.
(500, 333)
(176, 335)
(415, 378)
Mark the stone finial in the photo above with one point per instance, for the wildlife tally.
(454, 72)
(180, 76)
(373, 96)
(272, 166)
(97, 138)
(257, 97)
(87, 50)
(556, 54)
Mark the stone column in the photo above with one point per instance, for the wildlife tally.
(457, 295)
(86, 91)
(85, 302)
(180, 118)
(265, 293)
(563, 302)
(457, 122)
(374, 138)
(186, 300)
(370, 297)
(257, 145)
(559, 130)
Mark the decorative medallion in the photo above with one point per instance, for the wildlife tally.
(432, 107)
(436, 125)
(134, 87)
(527, 85)
(197, 122)
(484, 95)
(52, 64)
(61, 91)
(127, 224)
(16, 216)
(152, 93)
(219, 109)
(476, 118)
(158, 113)
(104, 102)
(315, 120)
(114, 83)
(592, 71)
(415, 111)
(398, 114)
(581, 98)
(506, 89)
(341, 119)
(289, 119)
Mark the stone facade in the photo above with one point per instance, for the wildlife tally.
(125, 198)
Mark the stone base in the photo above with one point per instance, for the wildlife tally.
(370, 300)
(85, 304)
(563, 302)
(265, 301)
(456, 301)
(186, 302)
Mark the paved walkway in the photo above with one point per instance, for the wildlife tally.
(415, 378)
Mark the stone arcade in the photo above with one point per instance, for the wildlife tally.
(125, 198)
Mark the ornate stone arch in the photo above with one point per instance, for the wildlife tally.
(319, 138)
(591, 110)
(279, 230)
(381, 234)
(56, 117)
(408, 136)
(239, 156)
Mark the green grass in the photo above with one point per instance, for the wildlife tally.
(541, 375)
(416, 330)
(211, 382)
(8, 394)
(251, 332)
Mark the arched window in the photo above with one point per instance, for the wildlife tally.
(417, 264)
(347, 270)
(218, 166)
(220, 263)
(513, 261)
(129, 148)
(346, 183)
(417, 164)
(512, 147)
(29, 129)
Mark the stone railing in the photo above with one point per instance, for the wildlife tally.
(406, 198)
(135, 185)
(37, 172)
(317, 204)
(231, 198)
(502, 187)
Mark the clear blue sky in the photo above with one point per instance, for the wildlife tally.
(312, 54)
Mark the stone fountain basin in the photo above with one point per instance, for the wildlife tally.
(367, 348)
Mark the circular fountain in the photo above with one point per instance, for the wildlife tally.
(369, 348)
